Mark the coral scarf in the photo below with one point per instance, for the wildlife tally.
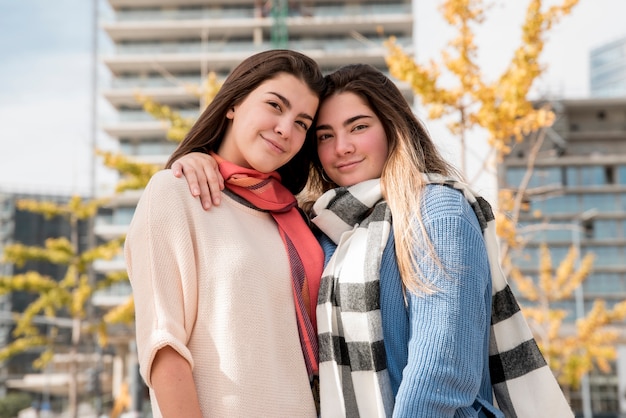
(265, 192)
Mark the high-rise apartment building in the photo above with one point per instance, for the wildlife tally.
(162, 47)
(607, 69)
(577, 196)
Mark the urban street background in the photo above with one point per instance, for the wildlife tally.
(46, 79)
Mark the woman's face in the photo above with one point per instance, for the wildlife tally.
(269, 126)
(351, 141)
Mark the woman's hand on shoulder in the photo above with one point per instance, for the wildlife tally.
(202, 175)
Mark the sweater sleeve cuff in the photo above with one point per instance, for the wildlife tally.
(160, 339)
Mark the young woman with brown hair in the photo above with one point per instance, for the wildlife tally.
(225, 300)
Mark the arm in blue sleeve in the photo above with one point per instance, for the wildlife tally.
(446, 357)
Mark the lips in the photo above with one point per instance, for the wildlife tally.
(347, 164)
(275, 145)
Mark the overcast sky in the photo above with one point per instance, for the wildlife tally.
(45, 79)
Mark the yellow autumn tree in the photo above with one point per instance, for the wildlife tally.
(591, 344)
(66, 303)
(58, 303)
(135, 174)
(502, 110)
(500, 107)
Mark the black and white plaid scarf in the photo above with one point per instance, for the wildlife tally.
(354, 381)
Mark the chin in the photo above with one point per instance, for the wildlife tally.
(346, 181)
(264, 168)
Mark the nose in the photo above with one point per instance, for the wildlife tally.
(343, 145)
(283, 128)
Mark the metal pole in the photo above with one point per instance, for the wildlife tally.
(94, 98)
(91, 236)
(580, 313)
(576, 228)
(136, 382)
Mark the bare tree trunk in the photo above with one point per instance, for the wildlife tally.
(522, 190)
(73, 370)
(76, 325)
(463, 145)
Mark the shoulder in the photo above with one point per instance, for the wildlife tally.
(443, 201)
(163, 185)
(165, 180)
(166, 194)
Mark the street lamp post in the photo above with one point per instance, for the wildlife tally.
(577, 229)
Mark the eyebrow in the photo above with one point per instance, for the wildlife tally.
(346, 123)
(287, 103)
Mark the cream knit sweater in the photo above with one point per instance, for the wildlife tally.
(215, 285)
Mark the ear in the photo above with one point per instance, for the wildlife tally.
(231, 113)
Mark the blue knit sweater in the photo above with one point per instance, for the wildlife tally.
(437, 347)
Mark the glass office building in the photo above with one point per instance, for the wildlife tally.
(607, 69)
(577, 196)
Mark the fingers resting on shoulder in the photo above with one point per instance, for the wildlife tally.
(202, 175)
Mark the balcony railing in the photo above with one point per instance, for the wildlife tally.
(249, 12)
(151, 48)
(141, 116)
(139, 82)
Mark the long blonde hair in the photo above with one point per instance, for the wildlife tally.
(411, 150)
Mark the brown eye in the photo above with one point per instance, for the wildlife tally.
(322, 137)
(275, 105)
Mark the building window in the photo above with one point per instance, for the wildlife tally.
(564, 204)
(547, 176)
(621, 174)
(558, 254)
(606, 256)
(147, 147)
(542, 176)
(605, 283)
(609, 174)
(155, 148)
(604, 395)
(571, 177)
(514, 176)
(606, 229)
(123, 215)
(602, 202)
(592, 176)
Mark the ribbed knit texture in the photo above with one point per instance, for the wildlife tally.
(265, 192)
(437, 348)
(215, 285)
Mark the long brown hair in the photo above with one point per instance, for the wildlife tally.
(208, 131)
(411, 152)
